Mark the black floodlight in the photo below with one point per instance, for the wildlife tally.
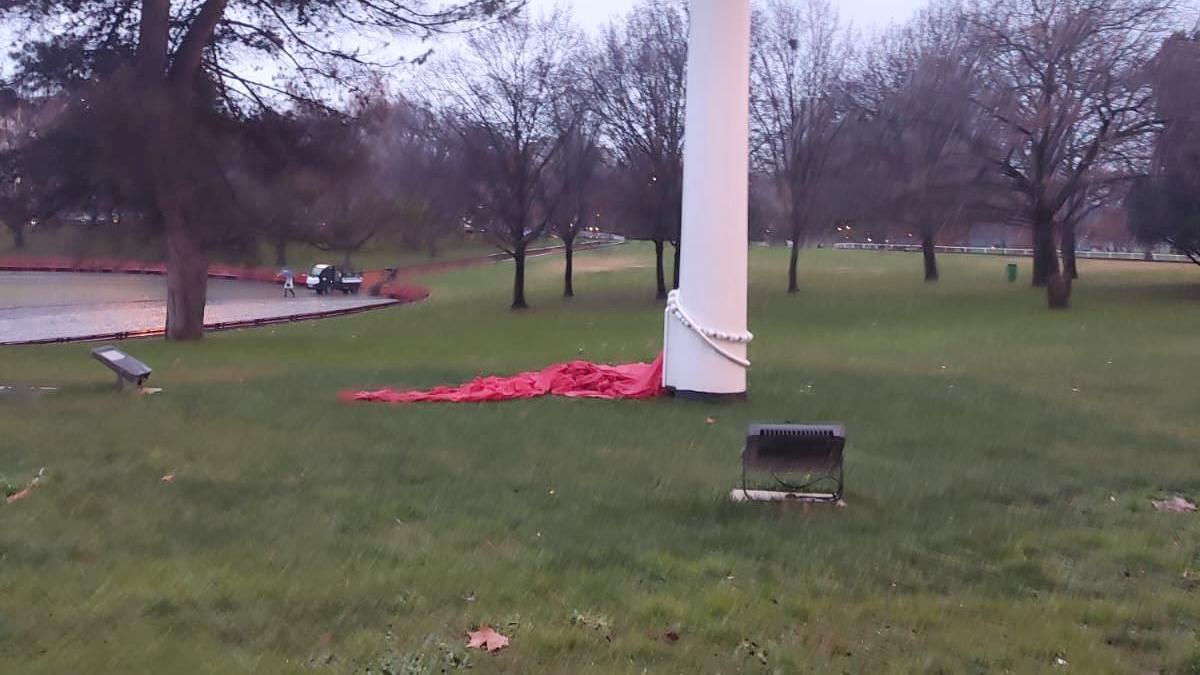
(797, 462)
(127, 368)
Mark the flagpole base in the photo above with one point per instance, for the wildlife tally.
(706, 397)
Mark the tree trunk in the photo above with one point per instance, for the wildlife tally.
(519, 278)
(675, 280)
(793, 287)
(281, 243)
(930, 253)
(1045, 257)
(187, 284)
(798, 232)
(1068, 251)
(1058, 291)
(569, 275)
(18, 232)
(660, 273)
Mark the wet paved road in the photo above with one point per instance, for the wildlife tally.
(47, 305)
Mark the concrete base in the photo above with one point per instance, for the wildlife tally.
(738, 495)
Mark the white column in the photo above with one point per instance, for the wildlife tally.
(703, 358)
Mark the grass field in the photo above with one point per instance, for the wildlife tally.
(1000, 468)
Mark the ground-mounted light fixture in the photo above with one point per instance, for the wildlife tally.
(792, 462)
(127, 368)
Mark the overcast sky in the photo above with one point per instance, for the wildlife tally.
(864, 14)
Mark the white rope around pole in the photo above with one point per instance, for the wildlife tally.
(709, 336)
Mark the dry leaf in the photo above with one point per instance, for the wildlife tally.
(169, 478)
(18, 496)
(1173, 505)
(709, 420)
(28, 489)
(487, 639)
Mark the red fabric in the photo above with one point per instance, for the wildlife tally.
(575, 379)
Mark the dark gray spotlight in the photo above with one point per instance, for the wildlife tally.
(127, 368)
(792, 462)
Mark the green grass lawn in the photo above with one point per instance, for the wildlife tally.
(1000, 468)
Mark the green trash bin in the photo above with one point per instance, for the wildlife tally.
(1012, 272)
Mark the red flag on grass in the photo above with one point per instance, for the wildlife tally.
(575, 379)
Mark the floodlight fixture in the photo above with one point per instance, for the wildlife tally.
(127, 368)
(802, 461)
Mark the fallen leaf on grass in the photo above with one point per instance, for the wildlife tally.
(709, 420)
(672, 634)
(28, 489)
(18, 496)
(1173, 505)
(487, 639)
(169, 478)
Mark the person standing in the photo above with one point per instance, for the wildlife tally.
(289, 283)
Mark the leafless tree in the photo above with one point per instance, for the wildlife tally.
(503, 96)
(924, 144)
(798, 62)
(1063, 78)
(415, 151)
(638, 79)
(579, 167)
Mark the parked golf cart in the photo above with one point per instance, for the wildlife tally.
(327, 278)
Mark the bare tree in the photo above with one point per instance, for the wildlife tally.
(503, 96)
(923, 142)
(798, 63)
(1064, 81)
(579, 166)
(416, 153)
(638, 79)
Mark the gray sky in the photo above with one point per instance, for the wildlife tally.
(864, 14)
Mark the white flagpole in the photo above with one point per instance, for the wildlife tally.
(706, 335)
